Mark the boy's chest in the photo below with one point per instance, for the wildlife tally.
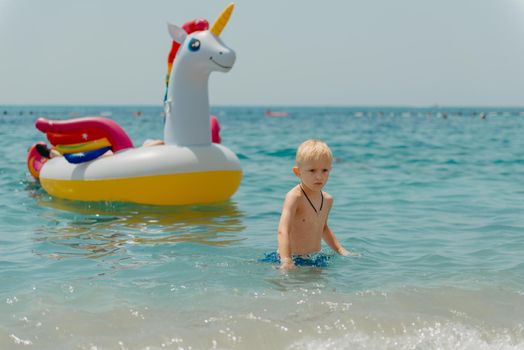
(307, 218)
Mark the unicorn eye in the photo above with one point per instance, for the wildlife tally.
(194, 45)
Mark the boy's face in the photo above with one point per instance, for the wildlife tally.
(313, 173)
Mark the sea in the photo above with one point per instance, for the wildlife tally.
(431, 199)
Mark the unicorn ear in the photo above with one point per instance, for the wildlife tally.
(177, 33)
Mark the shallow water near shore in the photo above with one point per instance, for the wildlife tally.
(431, 199)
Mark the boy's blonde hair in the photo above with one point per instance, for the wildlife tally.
(313, 150)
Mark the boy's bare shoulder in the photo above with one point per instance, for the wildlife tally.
(292, 199)
(328, 198)
(294, 194)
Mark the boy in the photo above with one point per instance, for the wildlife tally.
(303, 222)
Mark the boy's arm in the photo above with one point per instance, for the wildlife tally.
(327, 235)
(332, 241)
(284, 229)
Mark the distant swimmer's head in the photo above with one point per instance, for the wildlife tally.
(313, 150)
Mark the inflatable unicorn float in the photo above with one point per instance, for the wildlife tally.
(188, 168)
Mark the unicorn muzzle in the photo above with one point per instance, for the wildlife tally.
(225, 59)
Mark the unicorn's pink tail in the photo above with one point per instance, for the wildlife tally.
(35, 161)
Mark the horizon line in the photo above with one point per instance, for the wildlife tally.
(378, 106)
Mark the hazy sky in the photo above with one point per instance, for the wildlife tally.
(289, 52)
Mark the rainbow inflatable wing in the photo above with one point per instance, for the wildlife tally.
(84, 139)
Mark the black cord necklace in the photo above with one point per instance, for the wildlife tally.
(309, 200)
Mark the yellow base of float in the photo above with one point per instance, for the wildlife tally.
(170, 189)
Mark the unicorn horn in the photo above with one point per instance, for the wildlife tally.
(221, 20)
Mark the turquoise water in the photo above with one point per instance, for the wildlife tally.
(434, 206)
